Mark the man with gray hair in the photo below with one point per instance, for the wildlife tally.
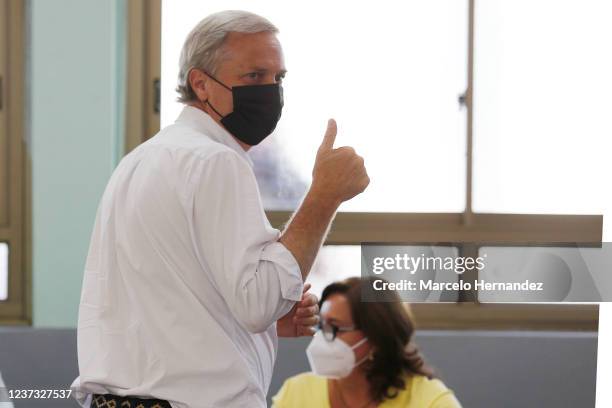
(186, 284)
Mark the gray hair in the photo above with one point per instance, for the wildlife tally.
(203, 46)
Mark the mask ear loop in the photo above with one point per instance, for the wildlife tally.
(217, 81)
(212, 107)
(223, 85)
(359, 343)
(354, 346)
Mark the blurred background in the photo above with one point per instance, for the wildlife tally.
(480, 121)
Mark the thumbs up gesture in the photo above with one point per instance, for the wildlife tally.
(339, 174)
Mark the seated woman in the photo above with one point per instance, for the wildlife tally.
(362, 357)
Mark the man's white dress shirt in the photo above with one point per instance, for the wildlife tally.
(185, 278)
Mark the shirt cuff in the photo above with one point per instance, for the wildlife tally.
(289, 274)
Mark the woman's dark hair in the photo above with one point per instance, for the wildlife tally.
(389, 329)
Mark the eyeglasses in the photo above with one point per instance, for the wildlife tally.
(330, 330)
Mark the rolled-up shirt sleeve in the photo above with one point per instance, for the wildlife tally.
(257, 276)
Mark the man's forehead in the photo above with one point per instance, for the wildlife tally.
(255, 52)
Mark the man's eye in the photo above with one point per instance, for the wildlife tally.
(280, 77)
(253, 75)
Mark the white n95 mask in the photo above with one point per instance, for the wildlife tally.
(332, 359)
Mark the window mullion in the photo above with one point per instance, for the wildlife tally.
(468, 100)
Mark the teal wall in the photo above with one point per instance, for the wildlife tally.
(75, 64)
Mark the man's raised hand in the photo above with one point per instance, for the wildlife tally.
(339, 174)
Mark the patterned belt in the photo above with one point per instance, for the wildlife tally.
(115, 401)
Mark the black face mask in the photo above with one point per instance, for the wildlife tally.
(257, 110)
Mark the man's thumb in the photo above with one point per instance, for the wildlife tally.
(330, 136)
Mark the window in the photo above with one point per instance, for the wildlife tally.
(541, 105)
(403, 112)
(14, 184)
(334, 262)
(454, 119)
(563, 271)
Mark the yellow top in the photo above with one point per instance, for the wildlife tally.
(308, 390)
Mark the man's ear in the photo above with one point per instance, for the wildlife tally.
(198, 81)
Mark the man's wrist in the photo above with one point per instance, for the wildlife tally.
(327, 202)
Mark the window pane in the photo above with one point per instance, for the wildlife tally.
(390, 75)
(334, 263)
(542, 122)
(566, 274)
(3, 271)
(337, 262)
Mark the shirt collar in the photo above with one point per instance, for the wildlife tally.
(199, 120)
